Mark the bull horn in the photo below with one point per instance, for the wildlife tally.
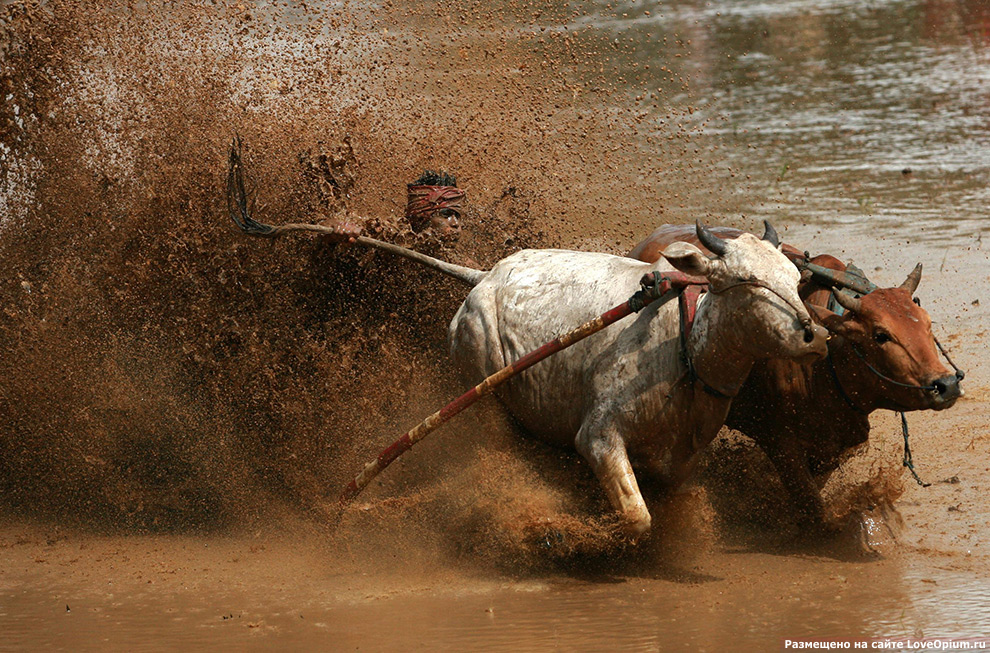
(714, 244)
(911, 283)
(770, 234)
(848, 302)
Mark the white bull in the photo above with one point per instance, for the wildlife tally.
(623, 396)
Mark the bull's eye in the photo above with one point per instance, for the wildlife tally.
(881, 337)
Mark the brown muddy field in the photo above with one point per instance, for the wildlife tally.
(178, 402)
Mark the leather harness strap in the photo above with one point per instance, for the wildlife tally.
(689, 290)
(687, 302)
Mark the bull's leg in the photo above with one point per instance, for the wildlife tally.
(795, 474)
(606, 452)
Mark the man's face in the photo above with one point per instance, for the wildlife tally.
(445, 224)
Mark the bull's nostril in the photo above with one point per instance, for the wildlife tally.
(946, 388)
(809, 335)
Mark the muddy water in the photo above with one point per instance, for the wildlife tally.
(857, 128)
(153, 594)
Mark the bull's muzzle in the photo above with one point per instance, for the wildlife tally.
(816, 336)
(947, 388)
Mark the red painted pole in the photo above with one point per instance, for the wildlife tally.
(655, 287)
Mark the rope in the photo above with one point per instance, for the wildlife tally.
(959, 373)
(886, 378)
(908, 461)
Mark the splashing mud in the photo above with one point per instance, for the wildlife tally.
(162, 370)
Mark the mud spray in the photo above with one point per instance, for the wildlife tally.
(162, 372)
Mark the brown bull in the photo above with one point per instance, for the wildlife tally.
(807, 416)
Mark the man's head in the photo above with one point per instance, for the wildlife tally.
(434, 205)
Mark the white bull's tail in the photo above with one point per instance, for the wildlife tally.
(465, 275)
(239, 208)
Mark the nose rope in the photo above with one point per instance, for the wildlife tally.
(960, 374)
(908, 462)
(929, 388)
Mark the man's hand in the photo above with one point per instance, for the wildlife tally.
(344, 231)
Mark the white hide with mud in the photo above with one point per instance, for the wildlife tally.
(623, 397)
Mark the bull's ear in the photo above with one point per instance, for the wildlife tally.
(688, 259)
(842, 325)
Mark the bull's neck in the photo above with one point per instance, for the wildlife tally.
(835, 409)
(844, 379)
(714, 348)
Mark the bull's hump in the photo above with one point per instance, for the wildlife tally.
(540, 267)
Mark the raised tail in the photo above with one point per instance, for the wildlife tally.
(239, 206)
(465, 275)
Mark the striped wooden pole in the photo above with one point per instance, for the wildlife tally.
(655, 287)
